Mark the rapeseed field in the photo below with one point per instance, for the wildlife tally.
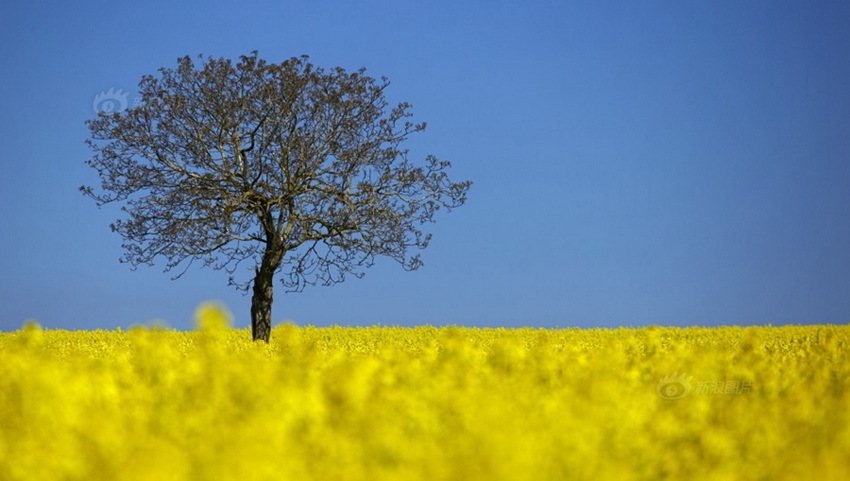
(425, 403)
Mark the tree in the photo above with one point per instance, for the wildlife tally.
(286, 166)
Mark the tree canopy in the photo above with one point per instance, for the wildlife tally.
(284, 167)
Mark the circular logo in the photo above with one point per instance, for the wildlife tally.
(109, 101)
(674, 387)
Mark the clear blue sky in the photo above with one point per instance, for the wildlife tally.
(671, 163)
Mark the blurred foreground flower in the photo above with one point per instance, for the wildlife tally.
(212, 317)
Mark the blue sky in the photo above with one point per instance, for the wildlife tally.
(671, 163)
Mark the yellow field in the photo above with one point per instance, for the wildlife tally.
(380, 403)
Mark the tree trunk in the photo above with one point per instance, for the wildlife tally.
(261, 301)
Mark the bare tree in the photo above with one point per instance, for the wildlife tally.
(286, 167)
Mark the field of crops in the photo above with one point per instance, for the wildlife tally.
(382, 403)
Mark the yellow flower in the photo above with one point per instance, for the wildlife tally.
(212, 317)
